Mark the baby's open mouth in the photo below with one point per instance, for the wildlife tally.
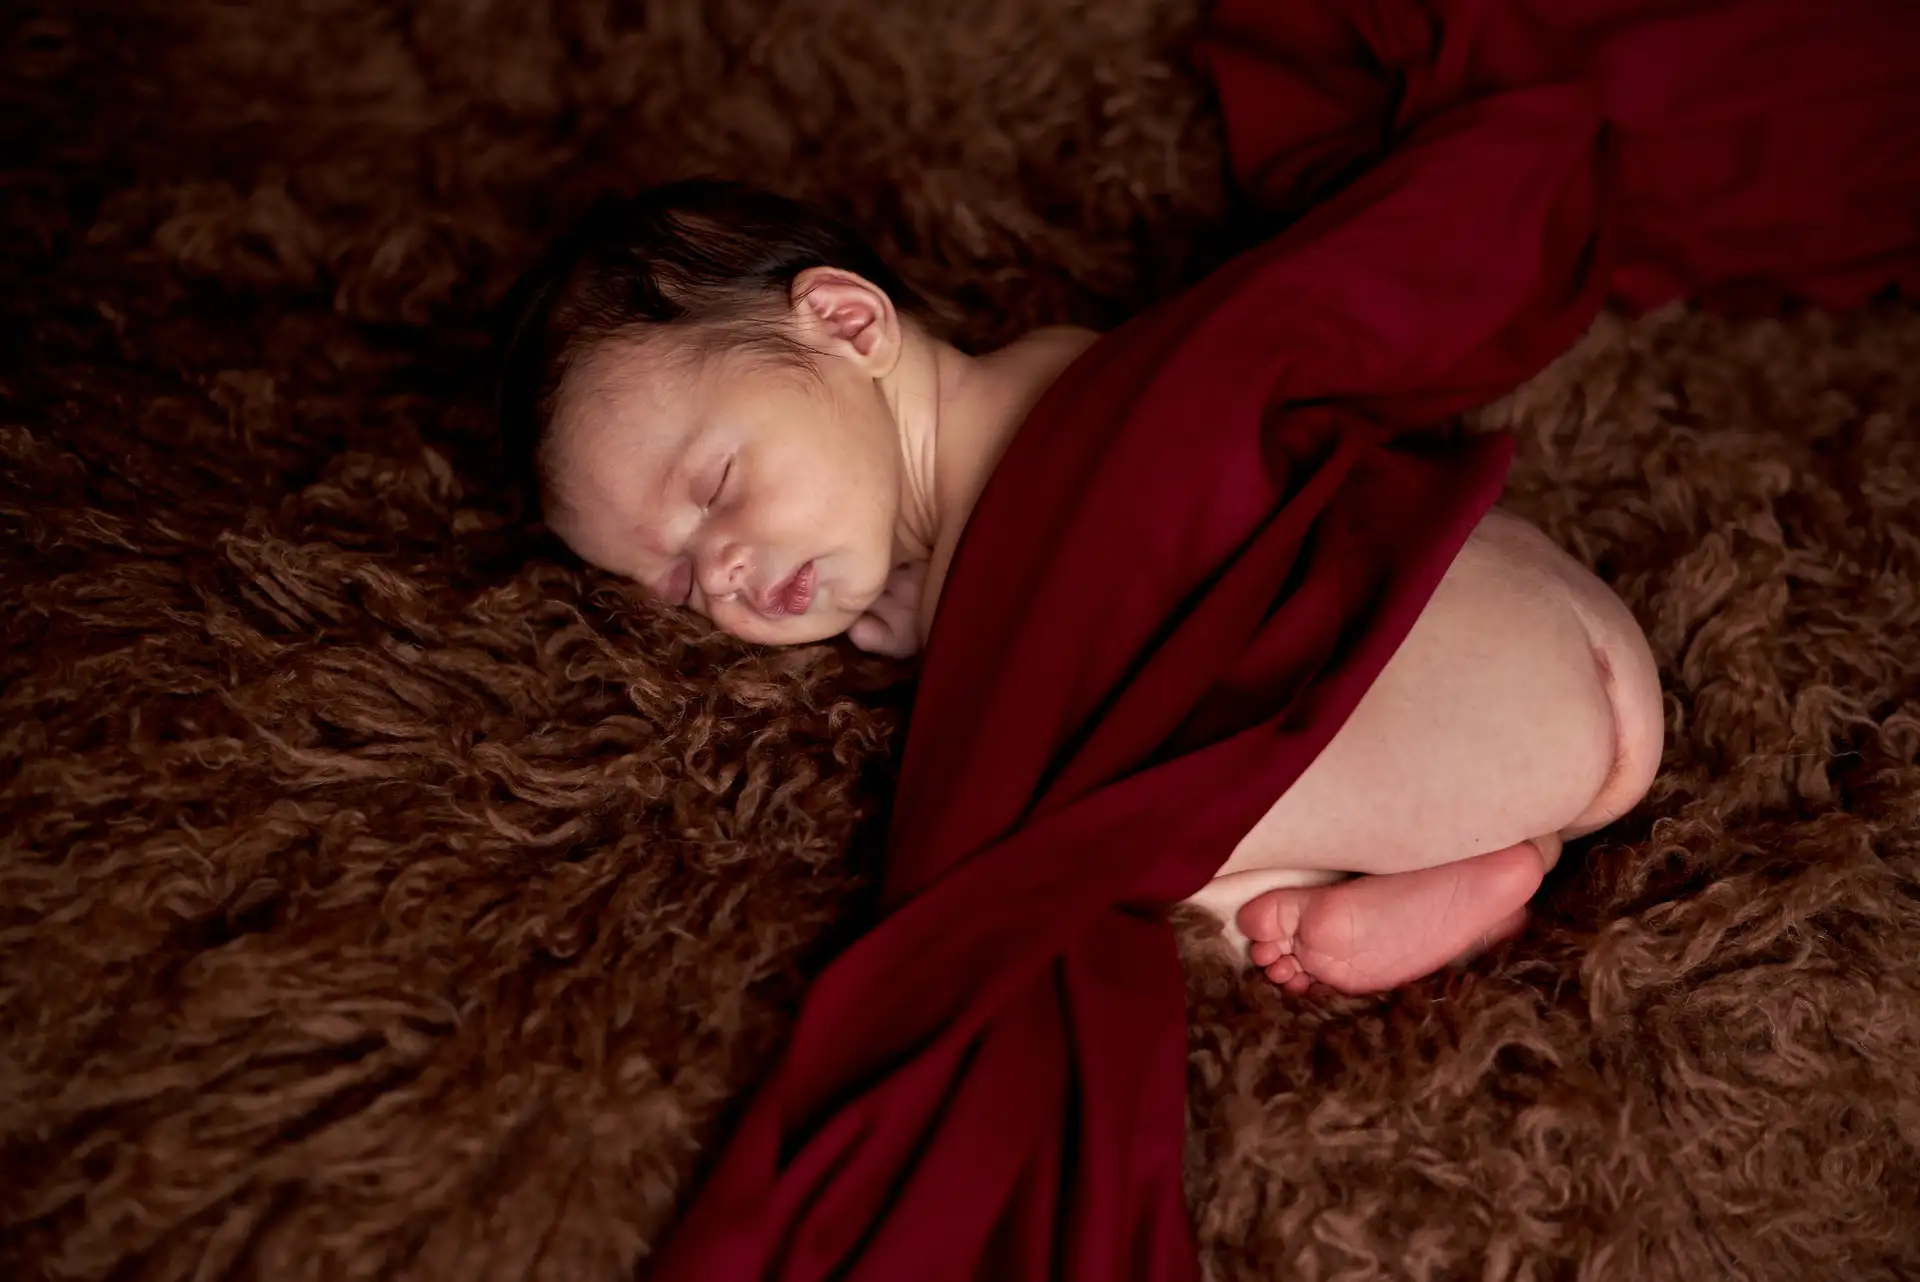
(792, 596)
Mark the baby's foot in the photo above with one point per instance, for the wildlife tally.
(1377, 932)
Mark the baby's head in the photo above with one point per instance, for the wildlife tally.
(696, 388)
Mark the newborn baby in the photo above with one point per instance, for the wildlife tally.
(729, 399)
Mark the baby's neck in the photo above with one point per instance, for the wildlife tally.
(957, 414)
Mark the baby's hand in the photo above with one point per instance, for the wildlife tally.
(891, 625)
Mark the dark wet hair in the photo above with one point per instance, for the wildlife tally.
(715, 261)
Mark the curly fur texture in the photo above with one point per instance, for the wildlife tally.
(383, 896)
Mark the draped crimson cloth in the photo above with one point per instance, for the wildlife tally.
(1210, 536)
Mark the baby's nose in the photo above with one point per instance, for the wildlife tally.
(724, 572)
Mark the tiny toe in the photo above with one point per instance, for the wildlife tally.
(1283, 970)
(1299, 986)
(1259, 917)
(1265, 952)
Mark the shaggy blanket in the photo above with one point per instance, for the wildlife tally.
(382, 895)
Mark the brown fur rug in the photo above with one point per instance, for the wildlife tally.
(382, 896)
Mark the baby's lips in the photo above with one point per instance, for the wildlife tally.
(790, 595)
(798, 594)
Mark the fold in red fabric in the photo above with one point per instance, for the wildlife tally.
(1210, 536)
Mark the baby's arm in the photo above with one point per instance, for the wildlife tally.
(897, 624)
(891, 625)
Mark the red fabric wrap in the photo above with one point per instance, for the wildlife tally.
(1210, 536)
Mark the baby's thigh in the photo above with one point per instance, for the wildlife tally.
(1491, 725)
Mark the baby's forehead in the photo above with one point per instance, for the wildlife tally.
(607, 410)
(621, 379)
(605, 480)
(657, 395)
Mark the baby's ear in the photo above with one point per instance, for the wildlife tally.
(849, 316)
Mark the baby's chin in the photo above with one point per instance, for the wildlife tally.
(806, 629)
(833, 612)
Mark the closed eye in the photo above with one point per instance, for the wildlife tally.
(677, 587)
(720, 486)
